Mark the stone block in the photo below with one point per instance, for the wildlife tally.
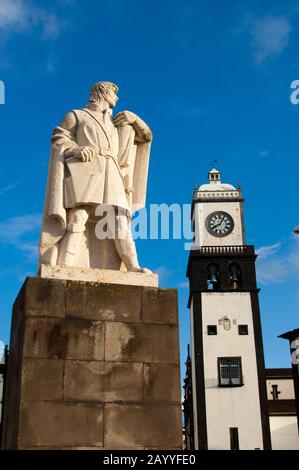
(103, 381)
(64, 339)
(161, 382)
(42, 379)
(142, 425)
(83, 448)
(160, 306)
(105, 302)
(117, 447)
(99, 276)
(51, 424)
(180, 447)
(141, 343)
(45, 297)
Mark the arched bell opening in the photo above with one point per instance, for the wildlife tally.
(235, 276)
(213, 276)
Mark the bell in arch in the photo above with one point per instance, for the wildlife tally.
(235, 275)
(213, 276)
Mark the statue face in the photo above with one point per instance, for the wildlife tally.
(111, 97)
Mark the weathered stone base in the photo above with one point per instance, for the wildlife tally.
(101, 276)
(93, 366)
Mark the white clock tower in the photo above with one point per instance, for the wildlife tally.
(218, 213)
(228, 372)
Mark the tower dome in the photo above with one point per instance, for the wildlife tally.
(215, 184)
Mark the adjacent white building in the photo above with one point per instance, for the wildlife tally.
(282, 409)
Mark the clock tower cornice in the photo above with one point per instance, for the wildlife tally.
(219, 196)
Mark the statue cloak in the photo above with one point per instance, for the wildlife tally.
(132, 164)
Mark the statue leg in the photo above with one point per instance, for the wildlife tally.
(70, 243)
(125, 245)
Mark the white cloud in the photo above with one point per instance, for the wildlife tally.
(266, 251)
(278, 263)
(13, 230)
(13, 13)
(29, 249)
(51, 25)
(28, 174)
(183, 285)
(269, 36)
(271, 271)
(22, 234)
(9, 187)
(24, 15)
(163, 272)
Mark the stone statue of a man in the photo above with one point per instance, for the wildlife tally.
(96, 159)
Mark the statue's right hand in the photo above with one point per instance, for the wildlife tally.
(86, 153)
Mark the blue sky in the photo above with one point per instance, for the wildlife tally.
(212, 79)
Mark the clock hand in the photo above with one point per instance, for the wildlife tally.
(220, 222)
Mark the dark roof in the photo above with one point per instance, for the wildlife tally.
(279, 373)
(282, 407)
(290, 335)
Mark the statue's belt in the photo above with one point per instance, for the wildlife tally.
(107, 153)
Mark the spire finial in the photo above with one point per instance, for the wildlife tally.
(212, 163)
(214, 176)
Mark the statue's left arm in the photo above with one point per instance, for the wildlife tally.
(142, 130)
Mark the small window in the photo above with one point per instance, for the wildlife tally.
(243, 329)
(234, 438)
(212, 330)
(229, 372)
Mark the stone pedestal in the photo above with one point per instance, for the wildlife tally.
(93, 366)
(100, 276)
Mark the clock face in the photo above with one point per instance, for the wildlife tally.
(220, 224)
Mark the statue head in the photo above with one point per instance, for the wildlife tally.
(104, 90)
